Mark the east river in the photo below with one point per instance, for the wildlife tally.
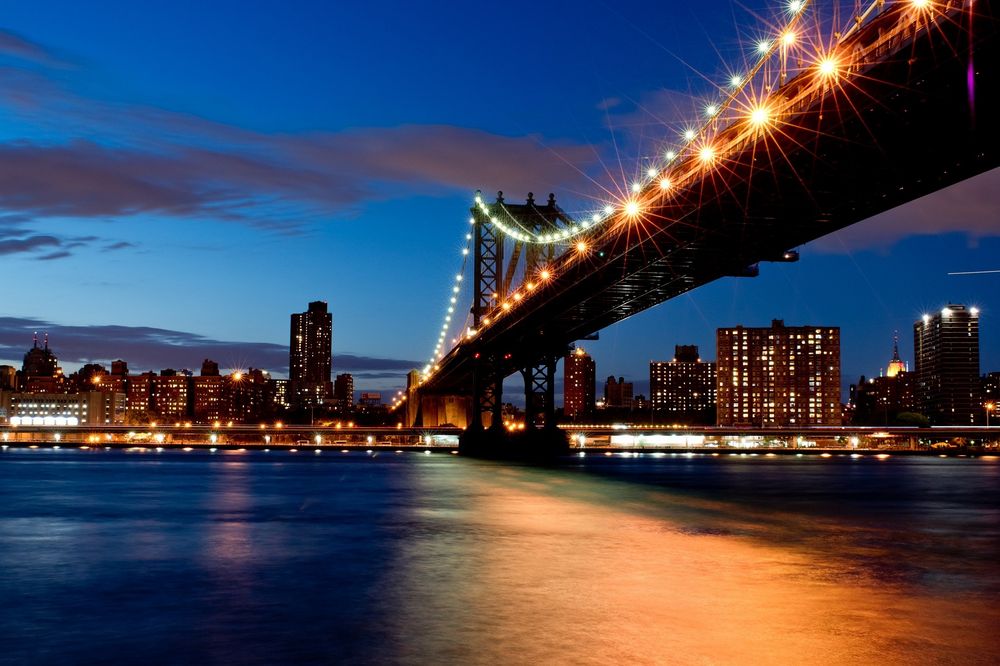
(274, 558)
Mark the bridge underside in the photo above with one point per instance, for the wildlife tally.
(893, 131)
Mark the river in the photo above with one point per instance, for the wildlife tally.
(270, 558)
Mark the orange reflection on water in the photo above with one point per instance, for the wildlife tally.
(541, 567)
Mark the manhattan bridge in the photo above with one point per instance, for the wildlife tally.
(827, 126)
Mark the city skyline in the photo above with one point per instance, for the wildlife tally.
(357, 233)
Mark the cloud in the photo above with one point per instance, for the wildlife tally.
(114, 159)
(147, 348)
(970, 207)
(54, 255)
(16, 46)
(28, 244)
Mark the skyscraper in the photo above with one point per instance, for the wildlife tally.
(778, 376)
(682, 390)
(579, 378)
(946, 347)
(310, 355)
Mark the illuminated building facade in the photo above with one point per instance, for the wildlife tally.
(682, 390)
(140, 393)
(310, 355)
(579, 384)
(782, 376)
(55, 409)
(171, 395)
(946, 346)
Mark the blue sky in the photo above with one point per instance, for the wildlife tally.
(191, 173)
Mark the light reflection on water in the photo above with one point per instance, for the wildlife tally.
(189, 558)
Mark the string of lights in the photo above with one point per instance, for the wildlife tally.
(456, 289)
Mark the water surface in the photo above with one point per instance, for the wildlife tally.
(410, 558)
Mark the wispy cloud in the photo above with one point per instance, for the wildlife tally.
(16, 46)
(114, 159)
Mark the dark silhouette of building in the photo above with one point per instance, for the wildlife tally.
(682, 390)
(946, 347)
(248, 396)
(310, 355)
(618, 394)
(209, 368)
(40, 372)
(343, 391)
(778, 376)
(881, 400)
(579, 384)
(990, 391)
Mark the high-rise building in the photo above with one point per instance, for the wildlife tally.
(778, 376)
(946, 347)
(310, 355)
(682, 390)
(140, 393)
(617, 393)
(343, 390)
(209, 401)
(171, 395)
(579, 384)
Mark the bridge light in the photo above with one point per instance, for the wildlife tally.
(636, 187)
(505, 305)
(609, 209)
(632, 208)
(596, 217)
(581, 247)
(711, 110)
(517, 296)
(827, 66)
(795, 6)
(735, 80)
(706, 154)
(651, 172)
(921, 4)
(788, 38)
(671, 155)
(545, 274)
(689, 135)
(759, 116)
(665, 183)
(763, 46)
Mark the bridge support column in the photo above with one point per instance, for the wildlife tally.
(487, 395)
(539, 394)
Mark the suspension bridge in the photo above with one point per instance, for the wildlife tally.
(816, 134)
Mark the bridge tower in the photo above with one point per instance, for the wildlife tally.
(497, 264)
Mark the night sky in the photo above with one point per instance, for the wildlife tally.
(176, 178)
